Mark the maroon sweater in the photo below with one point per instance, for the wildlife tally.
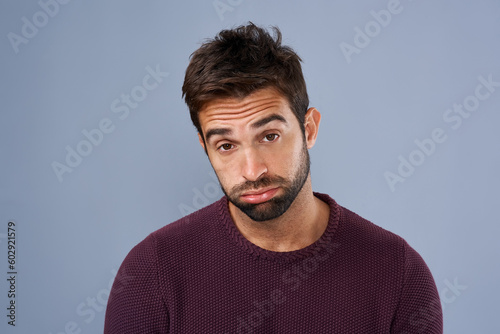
(200, 275)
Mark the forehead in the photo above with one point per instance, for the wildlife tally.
(226, 111)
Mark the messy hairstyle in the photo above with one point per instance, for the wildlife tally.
(240, 61)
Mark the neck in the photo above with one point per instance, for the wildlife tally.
(300, 226)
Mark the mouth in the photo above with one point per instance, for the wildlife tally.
(259, 196)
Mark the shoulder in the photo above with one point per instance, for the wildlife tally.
(137, 301)
(380, 247)
(374, 237)
(143, 258)
(366, 229)
(135, 304)
(370, 236)
(191, 228)
(180, 239)
(418, 308)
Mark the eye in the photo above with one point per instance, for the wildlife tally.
(271, 137)
(225, 147)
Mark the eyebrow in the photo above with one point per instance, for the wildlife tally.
(226, 131)
(217, 131)
(268, 119)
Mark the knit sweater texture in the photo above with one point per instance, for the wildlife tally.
(200, 275)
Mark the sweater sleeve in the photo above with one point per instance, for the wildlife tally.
(135, 304)
(419, 308)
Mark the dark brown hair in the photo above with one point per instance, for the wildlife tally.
(240, 61)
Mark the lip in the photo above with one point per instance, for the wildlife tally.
(259, 196)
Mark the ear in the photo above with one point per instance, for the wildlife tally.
(311, 126)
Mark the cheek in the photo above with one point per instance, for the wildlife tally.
(224, 174)
(289, 158)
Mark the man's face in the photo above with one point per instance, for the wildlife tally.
(258, 152)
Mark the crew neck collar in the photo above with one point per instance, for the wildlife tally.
(254, 250)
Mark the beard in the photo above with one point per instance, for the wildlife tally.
(277, 205)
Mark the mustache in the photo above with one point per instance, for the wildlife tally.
(264, 181)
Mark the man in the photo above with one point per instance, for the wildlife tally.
(271, 256)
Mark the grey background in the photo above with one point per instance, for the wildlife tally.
(73, 233)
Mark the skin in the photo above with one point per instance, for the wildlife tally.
(241, 149)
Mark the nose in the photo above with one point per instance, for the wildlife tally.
(253, 165)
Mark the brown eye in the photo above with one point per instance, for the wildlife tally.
(271, 137)
(226, 147)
